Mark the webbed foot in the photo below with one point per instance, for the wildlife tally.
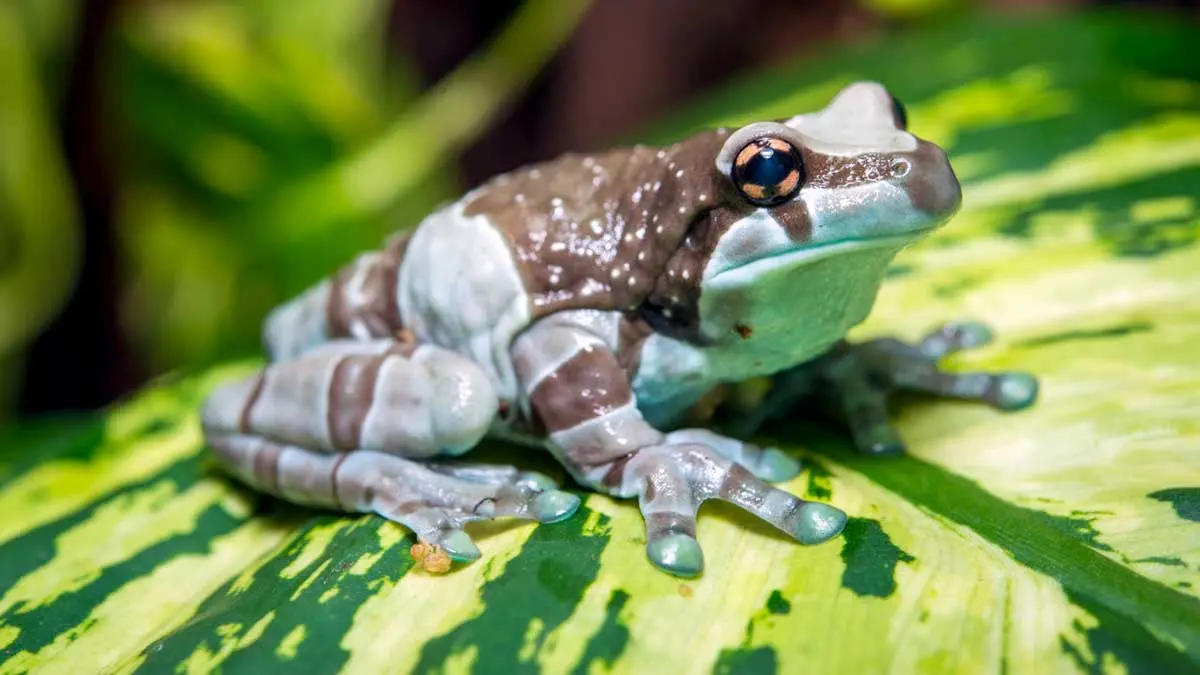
(437, 501)
(855, 380)
(671, 481)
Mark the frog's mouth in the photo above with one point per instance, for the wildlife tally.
(755, 271)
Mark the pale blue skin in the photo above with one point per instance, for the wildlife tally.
(779, 289)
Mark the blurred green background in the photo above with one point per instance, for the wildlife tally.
(171, 169)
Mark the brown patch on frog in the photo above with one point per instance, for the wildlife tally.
(588, 385)
(615, 476)
(743, 330)
(931, 190)
(929, 180)
(673, 307)
(632, 332)
(373, 302)
(351, 397)
(596, 231)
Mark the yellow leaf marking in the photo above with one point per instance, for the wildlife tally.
(58, 488)
(291, 643)
(232, 639)
(116, 532)
(421, 606)
(147, 608)
(1058, 456)
(1165, 143)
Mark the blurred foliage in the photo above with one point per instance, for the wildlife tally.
(39, 230)
(255, 145)
(267, 142)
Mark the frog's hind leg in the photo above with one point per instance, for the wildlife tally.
(347, 426)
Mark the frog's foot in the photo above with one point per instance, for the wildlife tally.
(434, 502)
(770, 464)
(671, 481)
(861, 377)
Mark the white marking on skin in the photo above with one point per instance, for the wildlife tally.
(857, 120)
(298, 325)
(755, 236)
(305, 477)
(615, 433)
(877, 209)
(459, 288)
(294, 404)
(399, 416)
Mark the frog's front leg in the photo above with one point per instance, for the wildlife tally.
(854, 380)
(580, 397)
(342, 427)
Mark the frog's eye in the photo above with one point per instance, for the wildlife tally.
(899, 114)
(768, 171)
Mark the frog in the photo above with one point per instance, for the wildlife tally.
(582, 306)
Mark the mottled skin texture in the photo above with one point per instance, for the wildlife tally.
(584, 306)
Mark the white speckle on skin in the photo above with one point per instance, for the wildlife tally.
(641, 255)
(661, 154)
(628, 237)
(683, 209)
(557, 201)
(588, 161)
(535, 173)
(686, 274)
(596, 226)
(558, 246)
(658, 230)
(679, 173)
(520, 198)
(616, 274)
(703, 197)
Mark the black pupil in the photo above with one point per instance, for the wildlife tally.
(899, 113)
(768, 168)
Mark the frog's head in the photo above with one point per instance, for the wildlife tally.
(817, 205)
(850, 172)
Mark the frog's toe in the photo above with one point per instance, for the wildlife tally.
(1015, 391)
(538, 482)
(459, 546)
(955, 336)
(776, 466)
(553, 506)
(817, 522)
(677, 554)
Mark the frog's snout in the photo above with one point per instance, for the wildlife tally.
(932, 185)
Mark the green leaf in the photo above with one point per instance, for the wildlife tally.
(1062, 538)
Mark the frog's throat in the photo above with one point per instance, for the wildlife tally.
(749, 272)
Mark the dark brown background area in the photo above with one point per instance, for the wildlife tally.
(629, 62)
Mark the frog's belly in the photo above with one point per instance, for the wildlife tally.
(674, 375)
